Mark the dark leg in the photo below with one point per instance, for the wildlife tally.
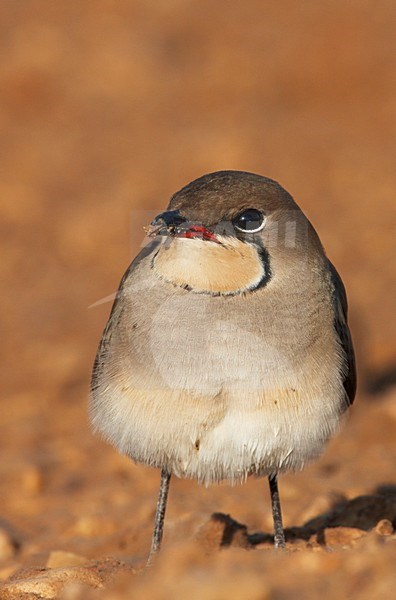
(159, 515)
(279, 534)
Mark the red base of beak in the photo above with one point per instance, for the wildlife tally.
(197, 231)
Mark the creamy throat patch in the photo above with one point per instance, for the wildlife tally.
(230, 267)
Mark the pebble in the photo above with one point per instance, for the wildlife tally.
(221, 531)
(384, 527)
(50, 584)
(342, 536)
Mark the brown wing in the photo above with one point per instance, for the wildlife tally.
(341, 326)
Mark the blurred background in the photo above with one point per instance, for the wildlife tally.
(107, 108)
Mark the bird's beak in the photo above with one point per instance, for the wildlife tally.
(171, 223)
(167, 223)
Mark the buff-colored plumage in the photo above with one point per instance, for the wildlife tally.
(226, 358)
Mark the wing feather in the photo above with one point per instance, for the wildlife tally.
(341, 326)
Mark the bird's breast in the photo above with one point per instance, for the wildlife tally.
(197, 347)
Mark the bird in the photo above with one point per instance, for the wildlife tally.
(227, 353)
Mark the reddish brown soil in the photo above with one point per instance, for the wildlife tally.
(106, 109)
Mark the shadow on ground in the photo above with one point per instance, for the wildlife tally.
(362, 512)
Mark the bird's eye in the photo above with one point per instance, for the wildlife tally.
(249, 221)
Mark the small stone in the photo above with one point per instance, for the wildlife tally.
(222, 531)
(58, 558)
(341, 536)
(8, 547)
(51, 583)
(384, 527)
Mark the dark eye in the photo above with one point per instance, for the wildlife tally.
(249, 221)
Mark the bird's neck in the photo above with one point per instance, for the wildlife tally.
(228, 268)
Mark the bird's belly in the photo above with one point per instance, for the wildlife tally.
(260, 442)
(226, 436)
(224, 419)
(218, 402)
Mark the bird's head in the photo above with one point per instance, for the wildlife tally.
(223, 232)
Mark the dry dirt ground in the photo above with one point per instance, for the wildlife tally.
(106, 109)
